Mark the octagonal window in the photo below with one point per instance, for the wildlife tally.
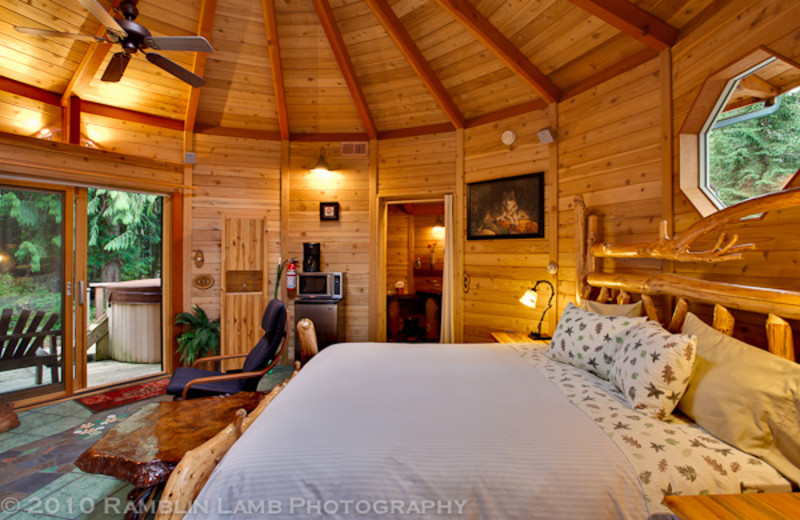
(750, 143)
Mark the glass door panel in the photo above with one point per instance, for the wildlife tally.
(33, 321)
(124, 274)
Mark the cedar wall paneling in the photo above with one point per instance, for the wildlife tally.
(23, 116)
(417, 166)
(500, 271)
(136, 139)
(736, 29)
(237, 177)
(344, 243)
(397, 244)
(609, 150)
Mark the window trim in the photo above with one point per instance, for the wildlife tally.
(712, 96)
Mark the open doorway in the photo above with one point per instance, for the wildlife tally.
(414, 263)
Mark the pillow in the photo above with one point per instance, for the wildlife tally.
(631, 310)
(653, 367)
(745, 396)
(587, 340)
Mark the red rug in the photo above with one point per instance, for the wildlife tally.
(123, 396)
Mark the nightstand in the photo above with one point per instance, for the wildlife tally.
(508, 336)
(752, 506)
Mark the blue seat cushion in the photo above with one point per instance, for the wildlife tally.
(183, 375)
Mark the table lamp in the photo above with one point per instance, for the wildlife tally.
(530, 298)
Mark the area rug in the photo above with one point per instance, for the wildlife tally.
(123, 396)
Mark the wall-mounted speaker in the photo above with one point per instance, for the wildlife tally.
(190, 158)
(546, 135)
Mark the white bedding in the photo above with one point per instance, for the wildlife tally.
(423, 431)
(438, 431)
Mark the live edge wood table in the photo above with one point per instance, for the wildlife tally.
(144, 448)
(761, 506)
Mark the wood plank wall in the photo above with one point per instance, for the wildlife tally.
(397, 244)
(610, 147)
(500, 271)
(712, 45)
(609, 151)
(344, 243)
(24, 116)
(235, 177)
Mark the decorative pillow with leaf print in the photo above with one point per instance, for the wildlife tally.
(653, 368)
(587, 340)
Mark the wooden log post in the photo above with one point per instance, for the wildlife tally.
(604, 296)
(307, 338)
(580, 248)
(676, 324)
(8, 419)
(650, 308)
(592, 238)
(723, 320)
(623, 298)
(779, 337)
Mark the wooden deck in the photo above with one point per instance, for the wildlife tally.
(99, 373)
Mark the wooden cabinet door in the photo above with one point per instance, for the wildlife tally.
(244, 285)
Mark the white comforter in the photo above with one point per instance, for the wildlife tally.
(422, 431)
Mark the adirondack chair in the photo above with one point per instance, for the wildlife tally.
(25, 346)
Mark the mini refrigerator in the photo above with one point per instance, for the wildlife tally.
(328, 319)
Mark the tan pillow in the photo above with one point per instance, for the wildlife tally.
(630, 310)
(745, 396)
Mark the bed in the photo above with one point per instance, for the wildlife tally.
(506, 431)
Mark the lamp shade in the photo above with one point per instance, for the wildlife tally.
(321, 166)
(530, 298)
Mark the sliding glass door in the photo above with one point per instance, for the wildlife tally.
(81, 299)
(35, 291)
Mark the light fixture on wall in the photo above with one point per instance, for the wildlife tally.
(530, 298)
(321, 166)
(438, 227)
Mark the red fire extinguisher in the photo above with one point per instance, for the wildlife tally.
(291, 276)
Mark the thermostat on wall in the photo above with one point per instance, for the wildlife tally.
(508, 137)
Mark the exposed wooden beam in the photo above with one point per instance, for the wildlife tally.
(511, 56)
(415, 131)
(29, 91)
(633, 21)
(328, 22)
(87, 68)
(71, 121)
(319, 138)
(491, 117)
(90, 107)
(276, 68)
(618, 68)
(207, 11)
(383, 12)
(264, 135)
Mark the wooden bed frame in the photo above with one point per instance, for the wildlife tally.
(777, 304)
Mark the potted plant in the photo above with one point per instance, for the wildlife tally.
(201, 337)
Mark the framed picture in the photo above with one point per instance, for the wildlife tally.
(329, 211)
(512, 207)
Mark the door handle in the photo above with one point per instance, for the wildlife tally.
(81, 293)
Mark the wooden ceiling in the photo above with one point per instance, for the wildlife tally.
(372, 68)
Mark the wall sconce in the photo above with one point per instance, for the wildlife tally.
(438, 228)
(321, 166)
(530, 298)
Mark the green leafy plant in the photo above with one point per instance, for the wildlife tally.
(201, 337)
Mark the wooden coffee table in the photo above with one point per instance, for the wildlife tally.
(144, 448)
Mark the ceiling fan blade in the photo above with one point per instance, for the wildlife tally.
(58, 34)
(176, 70)
(105, 18)
(178, 43)
(116, 67)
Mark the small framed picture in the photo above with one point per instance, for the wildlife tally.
(329, 211)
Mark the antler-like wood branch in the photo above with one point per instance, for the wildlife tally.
(679, 248)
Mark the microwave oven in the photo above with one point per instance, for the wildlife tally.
(320, 286)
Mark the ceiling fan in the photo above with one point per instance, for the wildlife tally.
(133, 37)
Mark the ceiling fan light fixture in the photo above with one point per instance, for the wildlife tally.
(321, 166)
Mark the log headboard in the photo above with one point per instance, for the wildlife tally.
(778, 304)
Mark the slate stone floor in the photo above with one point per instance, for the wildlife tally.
(37, 476)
